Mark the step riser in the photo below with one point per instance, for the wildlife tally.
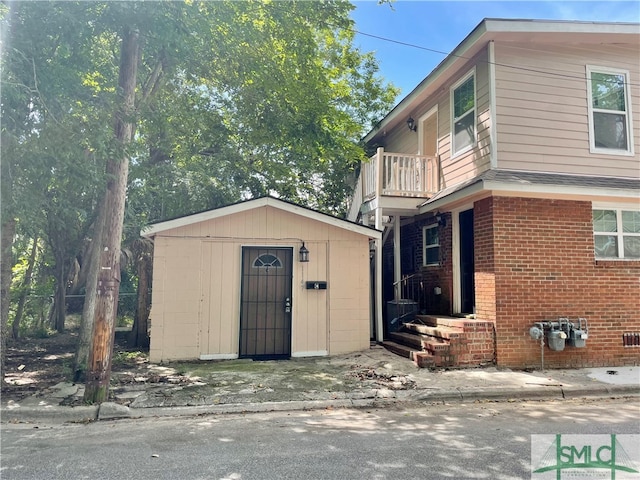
(446, 343)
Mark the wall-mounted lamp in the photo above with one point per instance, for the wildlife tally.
(304, 253)
(411, 123)
(441, 219)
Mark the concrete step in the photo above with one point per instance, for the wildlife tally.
(398, 349)
(410, 339)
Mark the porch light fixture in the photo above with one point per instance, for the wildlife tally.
(411, 123)
(304, 253)
(441, 219)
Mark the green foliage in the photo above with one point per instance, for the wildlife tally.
(236, 99)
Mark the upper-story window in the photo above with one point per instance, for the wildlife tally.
(463, 114)
(616, 233)
(609, 111)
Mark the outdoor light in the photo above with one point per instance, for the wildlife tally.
(411, 123)
(304, 253)
(441, 219)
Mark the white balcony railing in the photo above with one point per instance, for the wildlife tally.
(395, 175)
(400, 174)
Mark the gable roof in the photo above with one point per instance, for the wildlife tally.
(545, 31)
(246, 205)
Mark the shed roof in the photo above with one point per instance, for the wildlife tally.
(243, 206)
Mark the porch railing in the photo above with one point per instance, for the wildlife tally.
(400, 174)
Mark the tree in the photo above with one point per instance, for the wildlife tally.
(230, 100)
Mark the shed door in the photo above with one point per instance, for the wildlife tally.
(265, 311)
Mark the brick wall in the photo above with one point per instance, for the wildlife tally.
(535, 257)
(432, 276)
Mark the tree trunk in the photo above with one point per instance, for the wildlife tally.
(92, 265)
(26, 284)
(6, 264)
(60, 298)
(99, 366)
(139, 334)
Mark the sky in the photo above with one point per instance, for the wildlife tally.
(442, 25)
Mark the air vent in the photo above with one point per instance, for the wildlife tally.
(631, 339)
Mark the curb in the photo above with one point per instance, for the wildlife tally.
(114, 411)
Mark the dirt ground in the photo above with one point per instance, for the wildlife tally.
(36, 364)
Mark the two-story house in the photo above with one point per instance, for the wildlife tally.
(508, 187)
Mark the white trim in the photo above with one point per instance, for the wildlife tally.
(154, 229)
(219, 356)
(620, 234)
(432, 111)
(493, 128)
(424, 245)
(470, 74)
(455, 255)
(627, 113)
(456, 301)
(397, 258)
(316, 353)
(378, 271)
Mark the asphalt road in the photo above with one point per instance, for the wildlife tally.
(481, 440)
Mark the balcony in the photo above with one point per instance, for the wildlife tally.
(397, 175)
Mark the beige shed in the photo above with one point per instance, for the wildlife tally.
(231, 283)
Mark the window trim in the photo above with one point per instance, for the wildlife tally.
(629, 120)
(619, 233)
(432, 246)
(452, 90)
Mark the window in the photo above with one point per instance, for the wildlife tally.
(267, 260)
(609, 116)
(616, 233)
(431, 245)
(463, 114)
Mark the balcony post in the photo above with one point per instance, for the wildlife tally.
(378, 271)
(397, 265)
(379, 172)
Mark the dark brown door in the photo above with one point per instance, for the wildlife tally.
(265, 313)
(467, 269)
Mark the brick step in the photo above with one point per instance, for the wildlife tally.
(449, 333)
(409, 339)
(436, 346)
(398, 349)
(467, 324)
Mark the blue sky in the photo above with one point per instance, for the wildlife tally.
(442, 25)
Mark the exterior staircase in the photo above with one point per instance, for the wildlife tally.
(437, 341)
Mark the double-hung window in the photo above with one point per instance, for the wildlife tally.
(463, 114)
(616, 233)
(430, 245)
(609, 111)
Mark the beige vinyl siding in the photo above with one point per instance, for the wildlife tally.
(475, 161)
(197, 280)
(468, 164)
(402, 140)
(543, 119)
